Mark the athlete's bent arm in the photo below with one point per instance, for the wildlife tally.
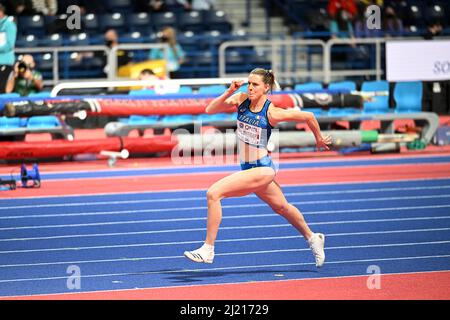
(227, 100)
(277, 115)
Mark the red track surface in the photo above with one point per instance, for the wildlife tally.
(203, 181)
(414, 286)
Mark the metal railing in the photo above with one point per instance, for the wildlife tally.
(110, 53)
(55, 51)
(282, 54)
(282, 66)
(330, 73)
(291, 70)
(136, 83)
(325, 73)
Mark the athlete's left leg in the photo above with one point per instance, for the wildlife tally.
(274, 197)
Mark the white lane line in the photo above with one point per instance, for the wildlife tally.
(235, 168)
(145, 273)
(286, 185)
(262, 204)
(288, 194)
(190, 242)
(282, 161)
(226, 228)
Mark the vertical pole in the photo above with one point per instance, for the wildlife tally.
(378, 59)
(268, 6)
(327, 62)
(112, 63)
(248, 11)
(55, 66)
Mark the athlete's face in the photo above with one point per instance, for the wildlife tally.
(256, 87)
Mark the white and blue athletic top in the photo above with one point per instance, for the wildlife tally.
(253, 128)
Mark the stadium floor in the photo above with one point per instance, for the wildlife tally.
(124, 230)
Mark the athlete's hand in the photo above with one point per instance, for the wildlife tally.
(235, 84)
(324, 142)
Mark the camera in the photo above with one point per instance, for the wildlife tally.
(22, 67)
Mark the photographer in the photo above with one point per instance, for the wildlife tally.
(176, 54)
(8, 33)
(26, 79)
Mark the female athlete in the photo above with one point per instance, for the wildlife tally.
(256, 118)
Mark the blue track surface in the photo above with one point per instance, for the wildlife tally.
(232, 168)
(137, 240)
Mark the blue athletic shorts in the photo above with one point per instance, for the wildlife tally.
(263, 162)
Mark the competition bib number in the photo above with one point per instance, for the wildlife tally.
(248, 133)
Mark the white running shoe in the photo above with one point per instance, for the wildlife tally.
(200, 255)
(317, 244)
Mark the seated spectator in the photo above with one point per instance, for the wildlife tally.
(349, 6)
(159, 88)
(18, 7)
(158, 5)
(88, 6)
(176, 53)
(145, 5)
(45, 7)
(198, 5)
(8, 30)
(391, 24)
(31, 7)
(25, 79)
(366, 3)
(363, 4)
(341, 25)
(148, 74)
(341, 13)
(111, 41)
(434, 29)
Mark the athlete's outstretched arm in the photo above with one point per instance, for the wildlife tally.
(277, 115)
(227, 100)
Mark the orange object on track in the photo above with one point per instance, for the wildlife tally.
(127, 107)
(60, 148)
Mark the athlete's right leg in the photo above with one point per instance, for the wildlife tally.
(235, 185)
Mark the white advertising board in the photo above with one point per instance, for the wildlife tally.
(421, 60)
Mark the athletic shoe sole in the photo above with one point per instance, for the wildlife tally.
(196, 257)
